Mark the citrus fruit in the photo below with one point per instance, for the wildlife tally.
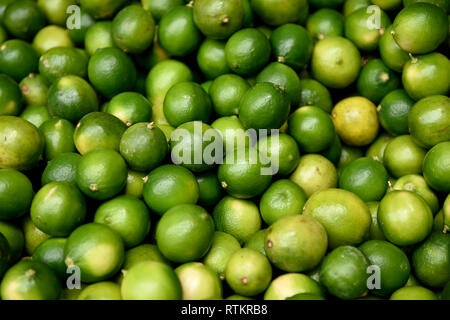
(436, 167)
(393, 112)
(226, 92)
(292, 284)
(15, 239)
(210, 191)
(413, 293)
(211, 58)
(104, 290)
(222, 248)
(353, 5)
(256, 241)
(51, 252)
(78, 35)
(233, 133)
(99, 36)
(279, 12)
(391, 54)
(32, 235)
(4, 254)
(23, 19)
(325, 22)
(36, 115)
(11, 100)
(34, 90)
(313, 93)
(16, 193)
(402, 156)
(416, 183)
(135, 183)
(58, 137)
(130, 107)
(51, 37)
(198, 282)
(55, 10)
(375, 232)
(160, 7)
(18, 59)
(348, 155)
(61, 61)
(388, 4)
(305, 296)
(101, 9)
(142, 253)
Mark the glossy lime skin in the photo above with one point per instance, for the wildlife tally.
(96, 249)
(313, 93)
(325, 22)
(351, 6)
(99, 36)
(101, 9)
(210, 191)
(18, 59)
(177, 32)
(141, 253)
(404, 217)
(158, 8)
(429, 120)
(16, 193)
(413, 293)
(22, 144)
(79, 35)
(36, 115)
(417, 184)
(365, 177)
(168, 186)
(143, 146)
(292, 44)
(444, 4)
(290, 285)
(211, 58)
(127, 216)
(51, 37)
(393, 56)
(11, 100)
(344, 273)
(61, 168)
(226, 92)
(199, 282)
(58, 136)
(375, 231)
(135, 183)
(130, 107)
(61, 61)
(402, 156)
(34, 90)
(222, 247)
(436, 167)
(71, 97)
(179, 110)
(185, 233)
(51, 252)
(5, 254)
(15, 239)
(264, 106)
(393, 263)
(279, 12)
(32, 235)
(104, 290)
(23, 19)
(393, 112)
(420, 28)
(3, 5)
(256, 241)
(30, 280)
(101, 174)
(312, 128)
(233, 133)
(283, 152)
(218, 19)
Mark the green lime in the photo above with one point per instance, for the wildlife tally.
(11, 100)
(158, 8)
(222, 248)
(248, 272)
(292, 284)
(376, 149)
(402, 156)
(429, 120)
(3, 5)
(324, 23)
(283, 152)
(167, 129)
(416, 183)
(404, 217)
(78, 35)
(101, 9)
(233, 133)
(198, 282)
(177, 32)
(142, 253)
(365, 177)
(217, 19)
(51, 37)
(438, 221)
(413, 293)
(18, 59)
(61, 61)
(444, 4)
(351, 6)
(111, 72)
(130, 107)
(30, 280)
(388, 4)
(279, 12)
(314, 173)
(344, 273)
(305, 296)
(185, 233)
(356, 121)
(343, 214)
(16, 193)
(71, 97)
(15, 238)
(5, 254)
(446, 213)
(348, 155)
(61, 168)
(58, 136)
(393, 112)
(226, 92)
(264, 106)
(96, 249)
(436, 167)
(101, 174)
(426, 75)
(237, 217)
(135, 183)
(168, 186)
(3, 34)
(392, 264)
(211, 58)
(58, 208)
(313, 93)
(375, 232)
(420, 28)
(292, 45)
(23, 18)
(32, 235)
(393, 56)
(104, 290)
(210, 190)
(51, 252)
(245, 173)
(257, 241)
(446, 292)
(151, 280)
(34, 90)
(99, 36)
(412, 281)
(21, 145)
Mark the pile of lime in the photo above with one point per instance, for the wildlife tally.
(238, 149)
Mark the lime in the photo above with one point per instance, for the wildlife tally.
(185, 233)
(11, 100)
(5, 254)
(21, 144)
(279, 12)
(344, 215)
(325, 22)
(16, 193)
(101, 9)
(417, 184)
(135, 183)
(36, 115)
(314, 173)
(420, 28)
(404, 217)
(264, 106)
(158, 8)
(393, 112)
(226, 92)
(292, 45)
(51, 37)
(3, 5)
(34, 90)
(177, 32)
(78, 35)
(58, 136)
(344, 273)
(23, 19)
(439, 3)
(365, 177)
(142, 253)
(211, 58)
(3, 34)
(247, 51)
(438, 222)
(238, 297)
(244, 173)
(198, 282)
(313, 93)
(30, 280)
(436, 167)
(348, 155)
(217, 19)
(233, 133)
(282, 150)
(257, 241)
(18, 59)
(167, 130)
(402, 156)
(130, 107)
(351, 6)
(332, 56)
(151, 280)
(15, 238)
(393, 56)
(143, 146)
(375, 232)
(446, 213)
(210, 190)
(413, 293)
(104, 290)
(429, 120)
(33, 236)
(305, 296)
(99, 36)
(168, 186)
(126, 215)
(446, 292)
(96, 249)
(101, 174)
(248, 272)
(292, 284)
(222, 248)
(388, 4)
(71, 97)
(393, 264)
(51, 252)
(237, 217)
